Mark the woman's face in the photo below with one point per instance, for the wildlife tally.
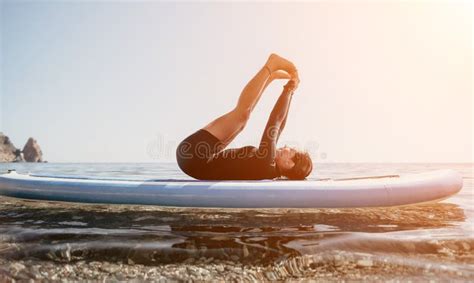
(283, 158)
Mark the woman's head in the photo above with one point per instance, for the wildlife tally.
(292, 163)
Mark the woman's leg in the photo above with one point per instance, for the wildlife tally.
(228, 126)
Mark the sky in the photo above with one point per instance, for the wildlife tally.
(106, 81)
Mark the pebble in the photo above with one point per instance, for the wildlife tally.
(364, 263)
(338, 261)
(17, 267)
(271, 276)
(245, 251)
(110, 268)
(220, 268)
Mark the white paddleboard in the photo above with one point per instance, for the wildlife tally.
(343, 193)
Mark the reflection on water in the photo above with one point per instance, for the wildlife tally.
(273, 243)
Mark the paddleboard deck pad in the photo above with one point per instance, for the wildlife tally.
(376, 191)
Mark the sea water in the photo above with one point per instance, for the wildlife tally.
(54, 240)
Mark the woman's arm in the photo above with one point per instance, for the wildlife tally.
(276, 122)
(295, 79)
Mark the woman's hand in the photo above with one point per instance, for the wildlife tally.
(291, 86)
(294, 76)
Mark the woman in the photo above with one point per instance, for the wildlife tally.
(202, 154)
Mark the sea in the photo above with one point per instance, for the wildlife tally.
(43, 240)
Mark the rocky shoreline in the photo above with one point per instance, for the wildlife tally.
(337, 266)
(9, 153)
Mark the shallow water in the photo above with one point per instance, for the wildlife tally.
(80, 241)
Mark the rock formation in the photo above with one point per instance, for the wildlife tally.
(32, 151)
(7, 149)
(9, 153)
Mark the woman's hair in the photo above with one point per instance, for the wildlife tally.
(302, 168)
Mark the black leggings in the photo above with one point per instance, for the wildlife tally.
(194, 153)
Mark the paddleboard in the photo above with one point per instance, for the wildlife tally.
(375, 191)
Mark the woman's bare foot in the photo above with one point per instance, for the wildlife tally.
(275, 63)
(280, 75)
